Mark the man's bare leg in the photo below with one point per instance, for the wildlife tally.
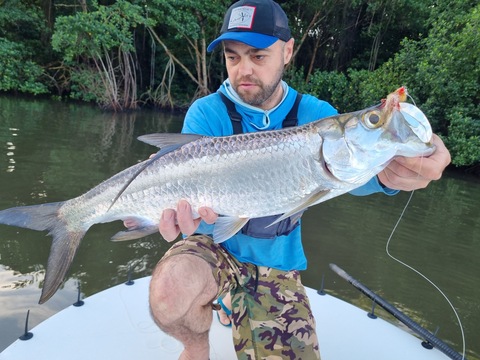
(181, 293)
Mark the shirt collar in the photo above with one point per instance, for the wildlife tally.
(232, 94)
(235, 97)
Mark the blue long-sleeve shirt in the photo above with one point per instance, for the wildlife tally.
(208, 116)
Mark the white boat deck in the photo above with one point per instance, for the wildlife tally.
(116, 324)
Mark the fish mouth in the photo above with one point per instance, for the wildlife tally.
(417, 121)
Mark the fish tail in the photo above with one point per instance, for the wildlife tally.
(64, 245)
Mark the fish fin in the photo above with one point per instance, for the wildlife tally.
(138, 231)
(166, 139)
(35, 217)
(312, 200)
(227, 226)
(167, 149)
(64, 244)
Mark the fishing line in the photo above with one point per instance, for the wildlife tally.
(422, 275)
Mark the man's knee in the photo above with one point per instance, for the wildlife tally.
(180, 283)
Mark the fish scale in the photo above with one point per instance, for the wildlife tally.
(239, 175)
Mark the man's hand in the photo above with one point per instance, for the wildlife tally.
(172, 222)
(416, 173)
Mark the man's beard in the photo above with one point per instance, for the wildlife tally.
(266, 90)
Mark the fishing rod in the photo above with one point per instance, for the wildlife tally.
(412, 325)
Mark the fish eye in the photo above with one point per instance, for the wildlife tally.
(372, 119)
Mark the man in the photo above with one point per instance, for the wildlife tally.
(258, 267)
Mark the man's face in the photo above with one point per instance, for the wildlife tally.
(255, 74)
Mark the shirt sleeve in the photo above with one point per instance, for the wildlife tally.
(312, 109)
(207, 116)
(195, 121)
(372, 187)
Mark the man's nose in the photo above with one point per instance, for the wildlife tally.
(245, 67)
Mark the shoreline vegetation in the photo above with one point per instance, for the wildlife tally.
(127, 55)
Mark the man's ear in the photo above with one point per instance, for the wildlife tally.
(288, 51)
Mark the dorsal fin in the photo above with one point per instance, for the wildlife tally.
(162, 140)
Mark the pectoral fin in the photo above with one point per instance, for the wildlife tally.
(136, 229)
(227, 226)
(134, 234)
(312, 200)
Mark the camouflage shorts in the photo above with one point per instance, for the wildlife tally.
(270, 309)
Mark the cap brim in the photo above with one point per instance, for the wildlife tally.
(256, 40)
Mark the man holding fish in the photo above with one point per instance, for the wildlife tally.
(257, 269)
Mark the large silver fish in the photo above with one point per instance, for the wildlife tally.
(241, 177)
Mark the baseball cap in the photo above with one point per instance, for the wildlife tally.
(257, 23)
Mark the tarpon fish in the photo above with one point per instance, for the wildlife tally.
(240, 177)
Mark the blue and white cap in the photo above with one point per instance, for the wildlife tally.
(257, 23)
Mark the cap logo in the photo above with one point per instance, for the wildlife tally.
(242, 17)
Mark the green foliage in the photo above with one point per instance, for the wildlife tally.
(184, 30)
(335, 35)
(86, 85)
(189, 19)
(17, 72)
(463, 139)
(21, 22)
(21, 29)
(330, 86)
(89, 34)
(99, 44)
(446, 77)
(349, 91)
(448, 63)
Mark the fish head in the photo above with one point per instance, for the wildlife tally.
(364, 142)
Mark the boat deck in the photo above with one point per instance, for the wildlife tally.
(116, 324)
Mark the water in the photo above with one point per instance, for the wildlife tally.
(52, 151)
